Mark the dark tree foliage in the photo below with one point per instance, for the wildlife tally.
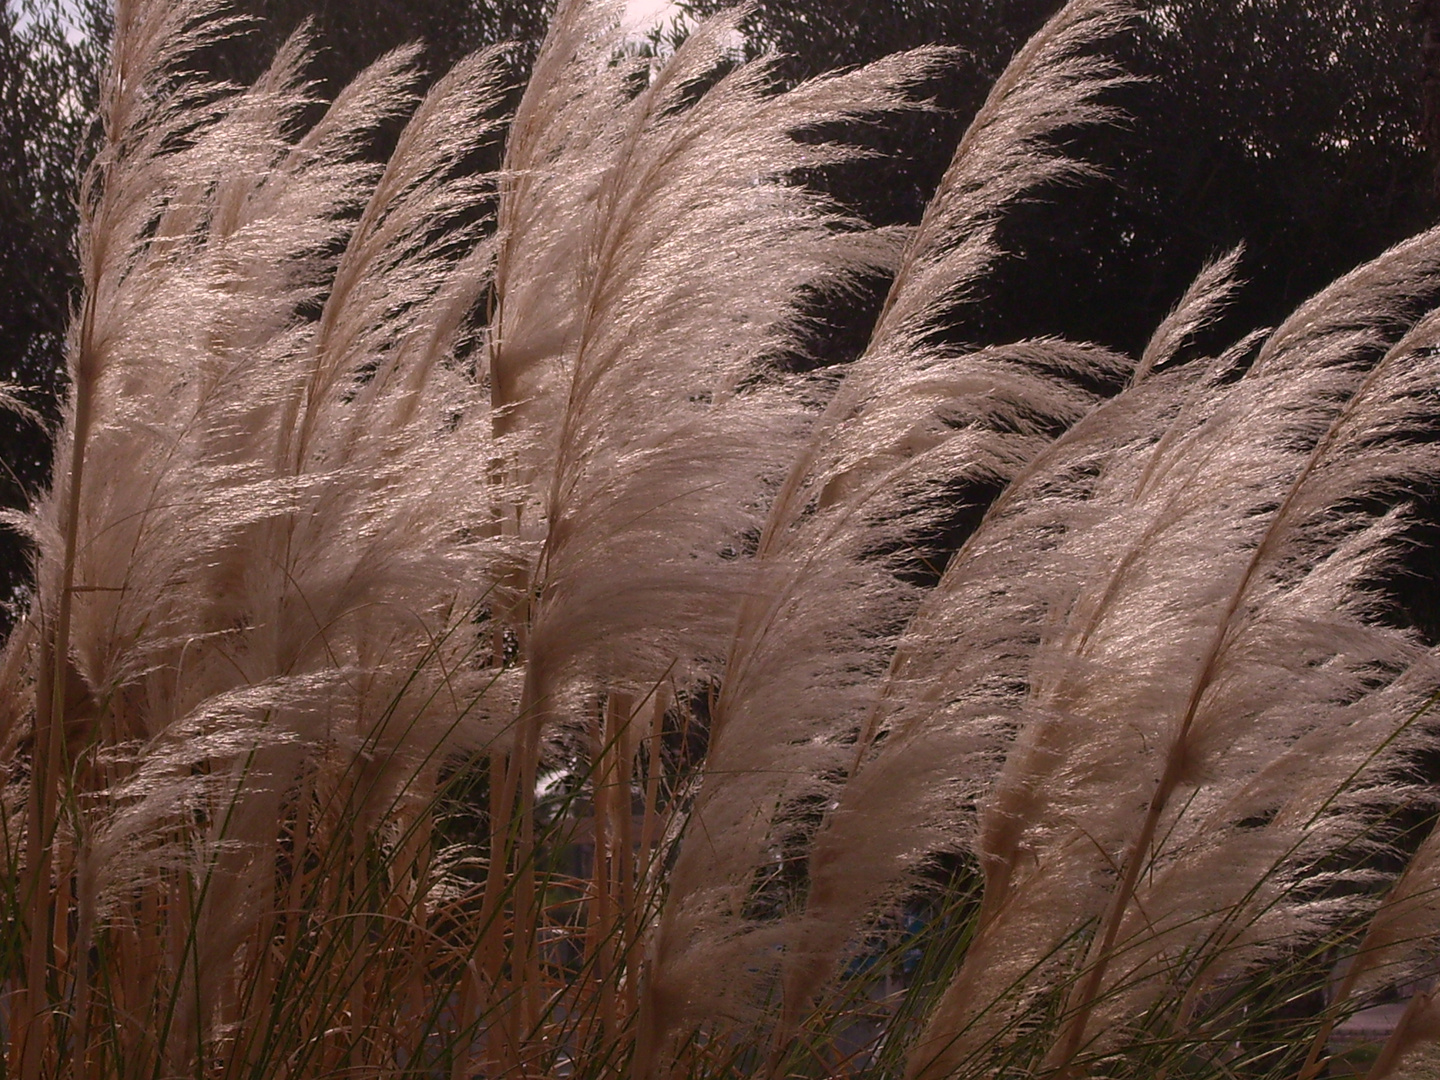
(1293, 125)
(49, 64)
(351, 35)
(813, 36)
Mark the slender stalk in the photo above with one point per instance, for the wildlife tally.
(1420, 1023)
(491, 952)
(49, 740)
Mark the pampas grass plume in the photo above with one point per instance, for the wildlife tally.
(464, 645)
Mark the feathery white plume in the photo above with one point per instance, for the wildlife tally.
(911, 419)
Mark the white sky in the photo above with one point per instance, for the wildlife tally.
(642, 13)
(67, 10)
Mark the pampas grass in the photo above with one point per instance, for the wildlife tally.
(464, 646)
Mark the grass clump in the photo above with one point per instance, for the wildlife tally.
(465, 645)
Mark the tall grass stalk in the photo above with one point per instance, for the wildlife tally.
(467, 643)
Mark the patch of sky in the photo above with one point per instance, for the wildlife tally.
(66, 12)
